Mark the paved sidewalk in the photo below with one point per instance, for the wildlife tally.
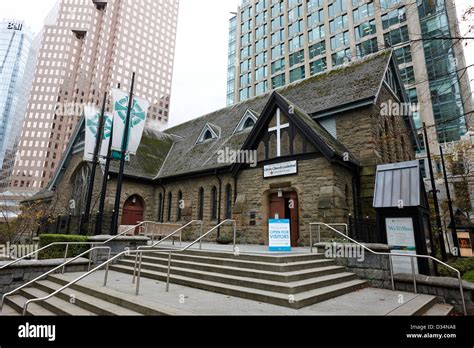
(368, 301)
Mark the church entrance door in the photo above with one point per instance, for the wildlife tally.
(133, 211)
(286, 207)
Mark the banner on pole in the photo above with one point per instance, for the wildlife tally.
(104, 148)
(137, 121)
(92, 116)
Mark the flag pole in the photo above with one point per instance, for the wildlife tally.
(114, 230)
(95, 160)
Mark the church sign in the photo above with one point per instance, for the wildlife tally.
(401, 239)
(279, 235)
(280, 169)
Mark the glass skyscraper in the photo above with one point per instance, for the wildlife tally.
(276, 42)
(16, 74)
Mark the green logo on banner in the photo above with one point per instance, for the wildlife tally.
(93, 125)
(137, 114)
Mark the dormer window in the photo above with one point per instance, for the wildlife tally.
(208, 133)
(247, 122)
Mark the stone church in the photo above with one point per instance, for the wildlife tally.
(305, 152)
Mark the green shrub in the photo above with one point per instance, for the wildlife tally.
(469, 276)
(58, 251)
(464, 265)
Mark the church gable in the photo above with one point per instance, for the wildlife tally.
(285, 130)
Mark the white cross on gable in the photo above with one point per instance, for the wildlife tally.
(279, 127)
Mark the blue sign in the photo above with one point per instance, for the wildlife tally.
(279, 237)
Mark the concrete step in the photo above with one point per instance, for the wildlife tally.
(440, 310)
(8, 311)
(316, 290)
(17, 301)
(85, 301)
(159, 273)
(150, 263)
(269, 258)
(130, 302)
(416, 306)
(55, 304)
(231, 261)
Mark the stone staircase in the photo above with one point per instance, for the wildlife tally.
(293, 281)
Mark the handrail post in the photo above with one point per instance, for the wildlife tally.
(65, 258)
(137, 291)
(462, 293)
(413, 273)
(310, 238)
(319, 233)
(200, 240)
(391, 272)
(169, 272)
(235, 234)
(135, 268)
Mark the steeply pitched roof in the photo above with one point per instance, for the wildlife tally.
(175, 152)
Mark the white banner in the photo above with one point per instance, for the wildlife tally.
(104, 148)
(137, 120)
(92, 116)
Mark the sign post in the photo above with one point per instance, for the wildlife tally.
(279, 238)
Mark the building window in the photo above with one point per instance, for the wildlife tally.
(278, 81)
(170, 200)
(314, 4)
(277, 23)
(178, 206)
(261, 73)
(228, 202)
(396, 36)
(278, 36)
(317, 66)
(160, 207)
(214, 203)
(295, 28)
(363, 12)
(316, 34)
(339, 40)
(278, 65)
(403, 55)
(297, 58)
(337, 7)
(367, 47)
(338, 23)
(316, 18)
(278, 51)
(200, 215)
(408, 75)
(261, 87)
(365, 29)
(297, 74)
(296, 43)
(295, 13)
(341, 57)
(261, 59)
(317, 49)
(394, 17)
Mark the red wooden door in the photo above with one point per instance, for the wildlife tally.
(133, 211)
(286, 207)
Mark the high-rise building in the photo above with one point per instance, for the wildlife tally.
(17, 55)
(276, 42)
(86, 48)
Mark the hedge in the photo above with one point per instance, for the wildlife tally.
(464, 265)
(58, 251)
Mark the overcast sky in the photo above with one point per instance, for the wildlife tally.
(200, 71)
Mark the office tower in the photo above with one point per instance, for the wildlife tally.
(276, 42)
(16, 60)
(88, 47)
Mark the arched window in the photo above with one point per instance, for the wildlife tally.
(170, 199)
(228, 202)
(214, 203)
(178, 206)
(160, 207)
(201, 204)
(207, 135)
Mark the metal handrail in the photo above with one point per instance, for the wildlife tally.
(184, 249)
(311, 235)
(48, 273)
(157, 223)
(67, 246)
(390, 255)
(161, 241)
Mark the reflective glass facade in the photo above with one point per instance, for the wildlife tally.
(16, 73)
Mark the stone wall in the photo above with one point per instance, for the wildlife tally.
(18, 274)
